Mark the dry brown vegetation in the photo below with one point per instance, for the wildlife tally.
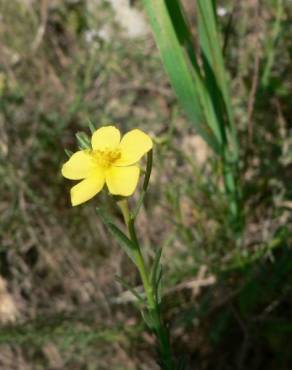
(228, 306)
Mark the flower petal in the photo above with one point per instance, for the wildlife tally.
(122, 180)
(107, 137)
(133, 146)
(87, 188)
(78, 166)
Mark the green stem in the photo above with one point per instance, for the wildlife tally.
(233, 192)
(154, 321)
(153, 308)
(272, 46)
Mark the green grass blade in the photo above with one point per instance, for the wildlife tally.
(172, 38)
(272, 44)
(216, 77)
(202, 90)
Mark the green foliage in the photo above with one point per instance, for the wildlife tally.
(172, 36)
(83, 140)
(124, 242)
(202, 91)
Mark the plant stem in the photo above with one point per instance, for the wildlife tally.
(154, 320)
(272, 45)
(233, 192)
(157, 324)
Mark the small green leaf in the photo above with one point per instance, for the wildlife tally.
(139, 297)
(127, 245)
(149, 319)
(154, 273)
(91, 127)
(83, 140)
(68, 153)
(158, 285)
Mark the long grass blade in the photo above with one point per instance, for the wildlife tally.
(171, 35)
(215, 72)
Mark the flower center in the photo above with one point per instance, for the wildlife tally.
(106, 158)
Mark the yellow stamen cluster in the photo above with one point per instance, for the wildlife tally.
(106, 158)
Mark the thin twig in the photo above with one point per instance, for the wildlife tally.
(42, 28)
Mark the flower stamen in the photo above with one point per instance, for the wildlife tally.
(106, 158)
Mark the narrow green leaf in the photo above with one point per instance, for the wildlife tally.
(68, 153)
(209, 113)
(91, 127)
(202, 90)
(216, 76)
(139, 297)
(127, 245)
(172, 38)
(150, 319)
(158, 284)
(154, 273)
(272, 44)
(83, 140)
(145, 184)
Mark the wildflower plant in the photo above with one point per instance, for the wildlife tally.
(107, 159)
(201, 83)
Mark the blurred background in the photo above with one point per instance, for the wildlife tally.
(228, 305)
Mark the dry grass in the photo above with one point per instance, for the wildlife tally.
(60, 66)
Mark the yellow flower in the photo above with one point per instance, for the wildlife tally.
(111, 161)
